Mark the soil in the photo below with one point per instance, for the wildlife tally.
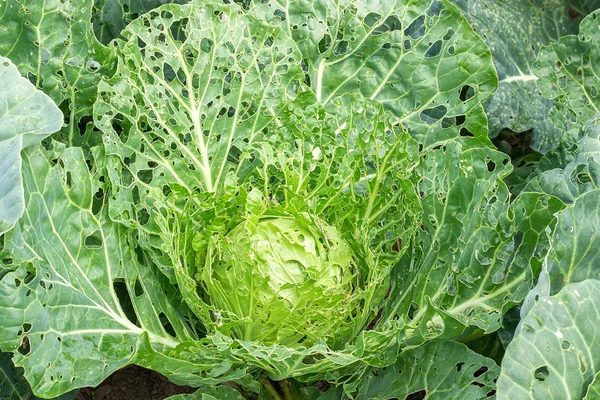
(133, 383)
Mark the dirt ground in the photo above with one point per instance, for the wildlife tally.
(133, 383)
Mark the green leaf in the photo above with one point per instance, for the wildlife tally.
(573, 255)
(555, 354)
(78, 300)
(421, 60)
(568, 76)
(191, 92)
(515, 31)
(13, 385)
(583, 7)
(593, 391)
(567, 173)
(26, 117)
(446, 370)
(196, 85)
(52, 44)
(210, 393)
(110, 17)
(476, 254)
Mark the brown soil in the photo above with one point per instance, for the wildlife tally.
(133, 383)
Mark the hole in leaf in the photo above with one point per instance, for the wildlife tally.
(464, 132)
(25, 347)
(420, 395)
(371, 19)
(390, 24)
(435, 9)
(143, 216)
(466, 92)
(341, 47)
(432, 115)
(541, 374)
(29, 277)
(206, 45)
(416, 29)
(168, 72)
(145, 175)
(434, 50)
(94, 241)
(98, 201)
(167, 324)
(280, 13)
(120, 288)
(137, 288)
(480, 371)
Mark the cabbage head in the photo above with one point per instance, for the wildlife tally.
(287, 279)
(288, 264)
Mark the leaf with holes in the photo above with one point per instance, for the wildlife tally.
(568, 76)
(563, 332)
(295, 242)
(476, 254)
(52, 44)
(78, 300)
(573, 256)
(421, 60)
(13, 385)
(26, 117)
(574, 173)
(447, 370)
(515, 31)
(110, 17)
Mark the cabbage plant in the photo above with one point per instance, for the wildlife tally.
(298, 200)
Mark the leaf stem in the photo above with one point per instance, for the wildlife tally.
(285, 388)
(266, 383)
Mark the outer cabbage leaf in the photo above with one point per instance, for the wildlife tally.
(577, 184)
(476, 254)
(210, 393)
(110, 17)
(593, 390)
(584, 7)
(446, 370)
(568, 72)
(573, 256)
(573, 171)
(13, 385)
(555, 354)
(195, 85)
(26, 117)
(421, 60)
(52, 44)
(515, 31)
(78, 300)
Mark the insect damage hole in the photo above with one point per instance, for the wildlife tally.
(421, 394)
(466, 92)
(541, 374)
(94, 241)
(124, 297)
